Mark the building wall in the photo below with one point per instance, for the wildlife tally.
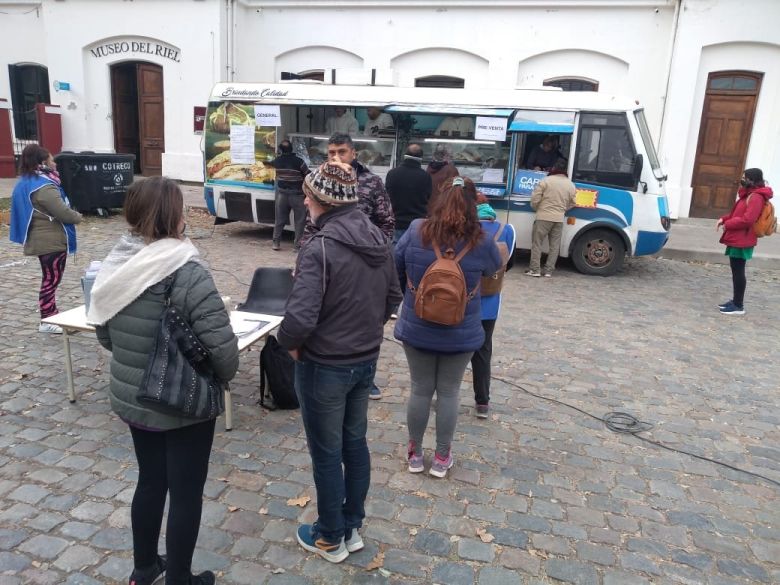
(77, 27)
(719, 35)
(657, 52)
(518, 43)
(21, 40)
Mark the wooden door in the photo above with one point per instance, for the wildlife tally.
(124, 95)
(724, 136)
(151, 118)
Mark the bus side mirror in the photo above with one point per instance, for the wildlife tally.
(638, 164)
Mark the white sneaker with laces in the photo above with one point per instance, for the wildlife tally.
(49, 328)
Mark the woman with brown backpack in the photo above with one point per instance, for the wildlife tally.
(442, 258)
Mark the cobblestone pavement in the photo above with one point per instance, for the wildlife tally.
(539, 493)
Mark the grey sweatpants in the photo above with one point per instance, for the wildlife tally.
(442, 374)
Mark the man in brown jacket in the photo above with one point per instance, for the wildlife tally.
(552, 197)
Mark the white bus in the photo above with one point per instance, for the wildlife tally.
(490, 136)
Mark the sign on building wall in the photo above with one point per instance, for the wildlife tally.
(136, 47)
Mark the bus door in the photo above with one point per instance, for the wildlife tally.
(539, 139)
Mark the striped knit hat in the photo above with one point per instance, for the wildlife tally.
(332, 184)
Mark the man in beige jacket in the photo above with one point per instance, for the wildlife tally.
(552, 197)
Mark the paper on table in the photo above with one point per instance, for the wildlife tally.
(242, 144)
(242, 326)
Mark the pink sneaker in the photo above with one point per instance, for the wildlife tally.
(439, 467)
(416, 464)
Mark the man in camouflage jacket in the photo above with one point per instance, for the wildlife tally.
(373, 198)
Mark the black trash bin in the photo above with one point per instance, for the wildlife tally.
(95, 181)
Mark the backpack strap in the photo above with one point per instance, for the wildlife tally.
(499, 231)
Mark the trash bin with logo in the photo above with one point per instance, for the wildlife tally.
(95, 181)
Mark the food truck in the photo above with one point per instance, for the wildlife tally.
(493, 137)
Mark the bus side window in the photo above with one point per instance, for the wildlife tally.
(605, 152)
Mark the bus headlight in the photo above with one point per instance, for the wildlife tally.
(666, 222)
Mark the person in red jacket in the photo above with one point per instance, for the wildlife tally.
(739, 236)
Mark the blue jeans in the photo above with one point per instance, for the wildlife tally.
(334, 407)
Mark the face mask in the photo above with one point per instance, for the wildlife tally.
(745, 182)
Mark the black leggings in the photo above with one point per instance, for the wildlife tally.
(738, 279)
(174, 461)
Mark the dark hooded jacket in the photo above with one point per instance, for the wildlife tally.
(440, 171)
(344, 291)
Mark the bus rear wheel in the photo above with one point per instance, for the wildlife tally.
(599, 253)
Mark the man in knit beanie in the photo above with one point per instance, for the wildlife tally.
(344, 290)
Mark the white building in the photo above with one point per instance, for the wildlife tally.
(706, 71)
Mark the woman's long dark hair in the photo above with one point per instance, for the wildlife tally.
(32, 157)
(452, 215)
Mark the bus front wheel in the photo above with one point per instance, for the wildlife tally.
(599, 252)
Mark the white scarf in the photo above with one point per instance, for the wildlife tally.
(132, 267)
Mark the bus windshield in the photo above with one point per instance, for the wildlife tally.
(646, 139)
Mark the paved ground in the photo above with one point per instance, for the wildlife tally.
(539, 493)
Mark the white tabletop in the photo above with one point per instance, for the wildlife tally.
(249, 327)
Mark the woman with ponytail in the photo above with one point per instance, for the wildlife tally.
(438, 354)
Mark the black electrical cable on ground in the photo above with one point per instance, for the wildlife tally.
(624, 423)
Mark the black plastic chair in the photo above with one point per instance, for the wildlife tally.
(268, 292)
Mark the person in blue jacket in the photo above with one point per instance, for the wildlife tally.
(438, 354)
(42, 221)
(480, 361)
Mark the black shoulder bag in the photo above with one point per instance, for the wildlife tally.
(178, 378)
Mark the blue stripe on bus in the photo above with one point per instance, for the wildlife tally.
(620, 199)
(597, 214)
(650, 242)
(241, 184)
(663, 206)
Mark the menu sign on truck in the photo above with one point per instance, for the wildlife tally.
(490, 129)
(268, 116)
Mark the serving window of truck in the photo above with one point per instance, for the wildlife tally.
(474, 140)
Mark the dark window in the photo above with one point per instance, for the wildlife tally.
(439, 81)
(573, 84)
(605, 152)
(734, 83)
(29, 86)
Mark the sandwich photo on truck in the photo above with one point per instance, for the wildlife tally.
(492, 137)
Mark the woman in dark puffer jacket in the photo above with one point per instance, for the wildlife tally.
(126, 304)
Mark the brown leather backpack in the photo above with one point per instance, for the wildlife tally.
(491, 285)
(441, 296)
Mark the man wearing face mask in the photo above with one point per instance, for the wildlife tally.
(739, 234)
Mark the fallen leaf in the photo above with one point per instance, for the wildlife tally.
(421, 494)
(538, 553)
(278, 571)
(413, 531)
(223, 479)
(232, 508)
(484, 535)
(302, 501)
(454, 538)
(243, 455)
(263, 511)
(377, 562)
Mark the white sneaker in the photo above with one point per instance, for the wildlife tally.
(49, 328)
(354, 543)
